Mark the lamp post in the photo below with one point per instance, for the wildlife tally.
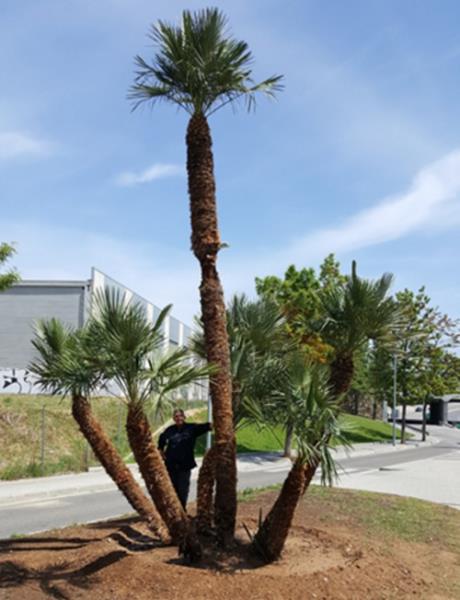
(208, 435)
(395, 370)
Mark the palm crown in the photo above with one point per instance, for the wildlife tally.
(358, 311)
(198, 66)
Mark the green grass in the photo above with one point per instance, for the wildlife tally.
(249, 494)
(384, 515)
(361, 430)
(252, 438)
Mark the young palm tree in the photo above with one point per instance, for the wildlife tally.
(66, 364)
(305, 389)
(201, 68)
(135, 363)
(357, 312)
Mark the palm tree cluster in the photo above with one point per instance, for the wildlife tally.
(120, 346)
(256, 371)
(275, 382)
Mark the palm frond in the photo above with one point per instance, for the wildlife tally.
(66, 361)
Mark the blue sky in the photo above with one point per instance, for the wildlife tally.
(359, 156)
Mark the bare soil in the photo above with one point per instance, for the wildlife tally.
(331, 554)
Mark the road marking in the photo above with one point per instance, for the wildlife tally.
(34, 501)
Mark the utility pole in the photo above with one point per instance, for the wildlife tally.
(208, 435)
(42, 438)
(395, 371)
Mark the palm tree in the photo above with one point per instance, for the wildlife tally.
(359, 311)
(11, 276)
(135, 363)
(304, 388)
(66, 364)
(254, 332)
(200, 68)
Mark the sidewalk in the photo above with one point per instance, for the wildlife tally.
(97, 480)
(433, 479)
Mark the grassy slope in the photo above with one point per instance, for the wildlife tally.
(65, 449)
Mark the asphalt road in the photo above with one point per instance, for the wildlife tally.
(32, 515)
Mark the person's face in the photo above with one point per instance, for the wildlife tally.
(179, 419)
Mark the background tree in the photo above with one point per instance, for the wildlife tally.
(422, 348)
(333, 316)
(201, 68)
(299, 298)
(380, 374)
(10, 276)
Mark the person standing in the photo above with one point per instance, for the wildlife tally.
(177, 445)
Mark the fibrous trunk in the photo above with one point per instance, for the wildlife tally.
(206, 245)
(341, 375)
(310, 470)
(115, 467)
(155, 474)
(270, 539)
(205, 491)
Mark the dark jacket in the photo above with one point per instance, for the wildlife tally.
(180, 444)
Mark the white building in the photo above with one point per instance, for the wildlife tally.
(26, 302)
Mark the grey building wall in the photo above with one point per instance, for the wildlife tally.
(29, 301)
(24, 304)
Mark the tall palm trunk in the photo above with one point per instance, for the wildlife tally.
(114, 465)
(153, 470)
(342, 370)
(270, 539)
(205, 490)
(206, 245)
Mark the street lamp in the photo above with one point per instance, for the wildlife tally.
(395, 370)
(208, 435)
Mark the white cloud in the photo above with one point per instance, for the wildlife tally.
(16, 144)
(156, 171)
(433, 193)
(160, 273)
(164, 274)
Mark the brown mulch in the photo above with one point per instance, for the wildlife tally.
(119, 560)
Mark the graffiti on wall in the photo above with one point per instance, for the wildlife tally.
(17, 381)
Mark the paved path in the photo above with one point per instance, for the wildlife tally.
(430, 473)
(425, 471)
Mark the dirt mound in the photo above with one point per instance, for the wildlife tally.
(119, 560)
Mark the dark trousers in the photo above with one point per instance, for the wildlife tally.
(181, 483)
